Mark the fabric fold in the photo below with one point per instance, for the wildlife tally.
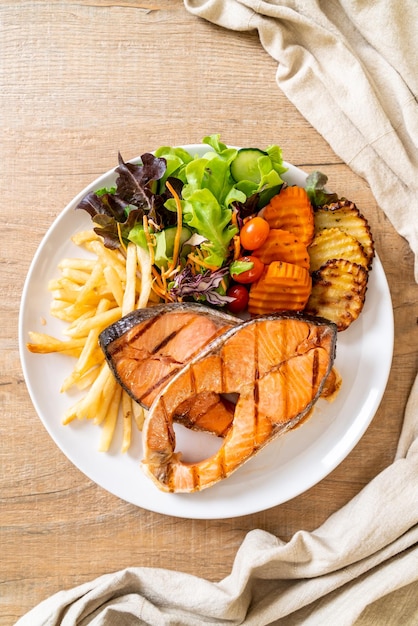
(364, 551)
(358, 93)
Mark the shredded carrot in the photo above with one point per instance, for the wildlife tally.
(192, 265)
(201, 262)
(120, 236)
(159, 293)
(178, 230)
(237, 247)
(157, 285)
(173, 272)
(157, 277)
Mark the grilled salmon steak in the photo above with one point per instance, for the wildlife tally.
(147, 347)
(276, 365)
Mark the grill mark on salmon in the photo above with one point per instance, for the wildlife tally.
(147, 347)
(133, 338)
(277, 364)
(315, 369)
(256, 379)
(166, 340)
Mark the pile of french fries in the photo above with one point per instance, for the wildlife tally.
(90, 294)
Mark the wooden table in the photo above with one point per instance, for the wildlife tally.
(80, 82)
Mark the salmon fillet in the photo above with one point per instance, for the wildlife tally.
(147, 347)
(276, 364)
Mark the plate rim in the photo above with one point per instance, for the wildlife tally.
(193, 512)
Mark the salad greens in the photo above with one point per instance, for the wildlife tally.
(191, 250)
(315, 188)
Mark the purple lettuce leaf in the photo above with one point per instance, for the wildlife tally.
(189, 286)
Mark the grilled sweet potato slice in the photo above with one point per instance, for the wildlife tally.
(282, 245)
(282, 287)
(291, 210)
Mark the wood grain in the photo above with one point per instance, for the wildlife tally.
(81, 81)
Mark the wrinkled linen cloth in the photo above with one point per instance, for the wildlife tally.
(350, 68)
(364, 554)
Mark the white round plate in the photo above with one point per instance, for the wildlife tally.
(286, 468)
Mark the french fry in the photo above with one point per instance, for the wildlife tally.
(69, 313)
(139, 414)
(100, 320)
(64, 289)
(87, 379)
(77, 276)
(72, 413)
(84, 237)
(92, 400)
(144, 261)
(89, 295)
(110, 421)
(127, 421)
(114, 283)
(45, 344)
(109, 257)
(86, 360)
(128, 303)
(89, 283)
(85, 265)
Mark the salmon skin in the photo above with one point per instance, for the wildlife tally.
(276, 364)
(147, 347)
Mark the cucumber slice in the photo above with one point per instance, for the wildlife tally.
(245, 165)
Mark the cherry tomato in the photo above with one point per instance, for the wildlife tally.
(251, 275)
(254, 233)
(240, 303)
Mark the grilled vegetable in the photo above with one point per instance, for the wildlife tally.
(346, 216)
(334, 243)
(282, 245)
(282, 287)
(291, 210)
(338, 292)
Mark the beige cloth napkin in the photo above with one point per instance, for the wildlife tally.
(335, 575)
(350, 68)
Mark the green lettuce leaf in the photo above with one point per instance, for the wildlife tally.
(212, 173)
(315, 188)
(214, 142)
(239, 267)
(275, 154)
(203, 213)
